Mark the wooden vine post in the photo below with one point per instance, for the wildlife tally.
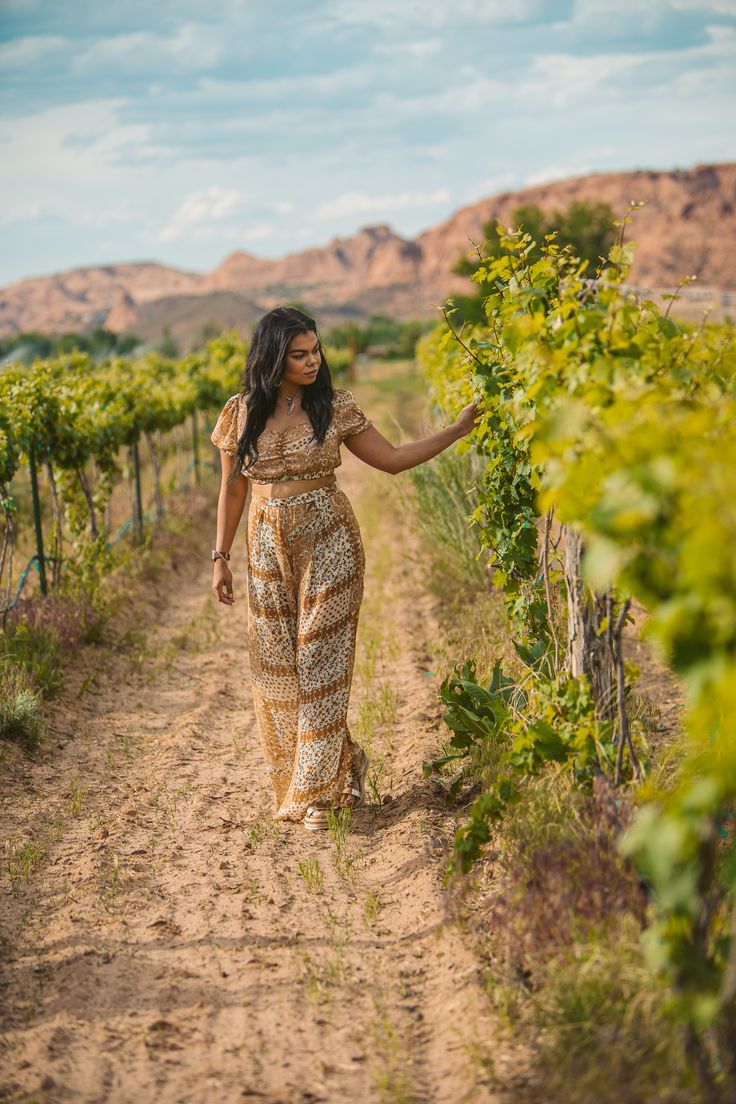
(195, 448)
(589, 651)
(158, 497)
(138, 504)
(37, 521)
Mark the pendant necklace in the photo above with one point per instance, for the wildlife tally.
(290, 403)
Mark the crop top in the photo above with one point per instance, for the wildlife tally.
(293, 452)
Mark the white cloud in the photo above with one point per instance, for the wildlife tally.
(488, 186)
(200, 211)
(256, 233)
(500, 11)
(387, 15)
(53, 163)
(109, 216)
(359, 203)
(469, 91)
(29, 212)
(646, 15)
(285, 88)
(37, 212)
(193, 46)
(565, 80)
(550, 173)
(20, 52)
(430, 97)
(589, 160)
(720, 7)
(419, 48)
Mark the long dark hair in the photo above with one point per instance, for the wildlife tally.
(264, 370)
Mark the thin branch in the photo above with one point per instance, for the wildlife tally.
(84, 484)
(624, 731)
(547, 589)
(459, 339)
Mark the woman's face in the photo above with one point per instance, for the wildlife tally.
(303, 359)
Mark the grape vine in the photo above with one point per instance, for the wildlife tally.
(74, 418)
(607, 432)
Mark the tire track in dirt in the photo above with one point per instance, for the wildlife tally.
(169, 948)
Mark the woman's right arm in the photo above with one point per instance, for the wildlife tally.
(370, 446)
(229, 512)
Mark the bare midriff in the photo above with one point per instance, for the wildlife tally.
(290, 487)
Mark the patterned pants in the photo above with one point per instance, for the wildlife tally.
(305, 585)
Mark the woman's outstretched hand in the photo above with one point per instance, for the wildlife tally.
(222, 583)
(465, 420)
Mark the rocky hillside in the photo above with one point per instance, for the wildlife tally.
(687, 227)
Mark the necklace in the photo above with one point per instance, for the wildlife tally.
(290, 400)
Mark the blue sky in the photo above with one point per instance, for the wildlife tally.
(178, 132)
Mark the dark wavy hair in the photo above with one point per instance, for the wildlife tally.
(264, 370)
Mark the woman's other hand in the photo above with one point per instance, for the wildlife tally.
(222, 583)
(465, 420)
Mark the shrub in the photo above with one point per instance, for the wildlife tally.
(40, 630)
(20, 711)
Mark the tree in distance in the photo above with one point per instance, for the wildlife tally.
(30, 345)
(586, 226)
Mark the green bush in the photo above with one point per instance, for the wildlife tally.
(20, 710)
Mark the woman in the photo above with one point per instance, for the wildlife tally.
(282, 435)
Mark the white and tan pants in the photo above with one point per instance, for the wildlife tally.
(306, 565)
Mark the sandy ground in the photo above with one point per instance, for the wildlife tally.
(169, 941)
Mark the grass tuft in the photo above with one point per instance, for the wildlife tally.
(313, 874)
(20, 711)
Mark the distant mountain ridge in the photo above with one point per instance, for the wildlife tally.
(688, 226)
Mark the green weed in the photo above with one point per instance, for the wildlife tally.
(37, 650)
(439, 509)
(604, 1029)
(77, 797)
(22, 859)
(110, 879)
(391, 1078)
(313, 875)
(375, 785)
(339, 818)
(241, 744)
(371, 908)
(314, 982)
(21, 718)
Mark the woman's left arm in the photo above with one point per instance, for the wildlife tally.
(373, 448)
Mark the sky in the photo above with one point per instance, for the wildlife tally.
(178, 132)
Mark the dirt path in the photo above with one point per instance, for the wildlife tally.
(168, 941)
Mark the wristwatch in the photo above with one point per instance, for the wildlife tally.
(219, 555)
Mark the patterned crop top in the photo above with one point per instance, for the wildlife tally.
(291, 453)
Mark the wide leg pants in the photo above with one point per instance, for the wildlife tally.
(305, 572)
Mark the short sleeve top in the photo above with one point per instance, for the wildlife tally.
(293, 452)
